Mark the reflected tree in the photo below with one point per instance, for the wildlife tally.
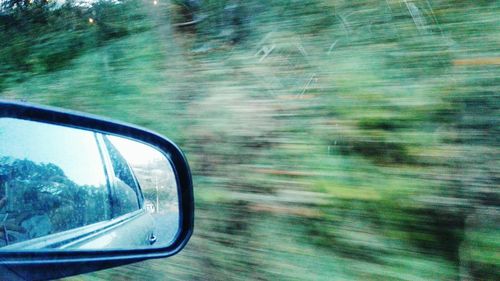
(39, 199)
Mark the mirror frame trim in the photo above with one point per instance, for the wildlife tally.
(107, 258)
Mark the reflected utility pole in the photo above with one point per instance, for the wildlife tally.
(157, 197)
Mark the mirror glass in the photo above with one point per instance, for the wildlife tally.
(69, 188)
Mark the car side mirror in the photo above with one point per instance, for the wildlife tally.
(81, 189)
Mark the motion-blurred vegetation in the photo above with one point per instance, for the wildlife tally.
(329, 140)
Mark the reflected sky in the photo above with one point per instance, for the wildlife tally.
(68, 148)
(137, 152)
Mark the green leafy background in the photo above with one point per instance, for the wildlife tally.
(329, 140)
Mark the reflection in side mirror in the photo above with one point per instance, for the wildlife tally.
(70, 188)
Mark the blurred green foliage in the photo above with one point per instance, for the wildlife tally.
(329, 140)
